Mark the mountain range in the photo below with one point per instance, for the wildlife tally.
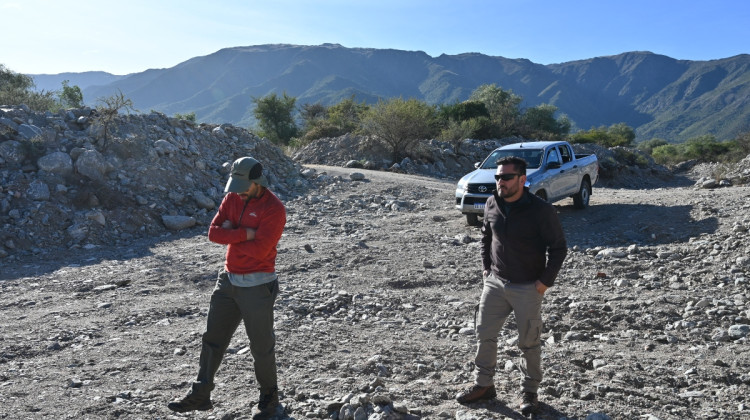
(659, 96)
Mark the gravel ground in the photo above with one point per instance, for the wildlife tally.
(379, 278)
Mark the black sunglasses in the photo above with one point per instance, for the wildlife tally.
(505, 177)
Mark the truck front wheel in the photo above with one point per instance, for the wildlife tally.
(581, 199)
(472, 219)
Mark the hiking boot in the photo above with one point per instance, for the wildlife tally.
(190, 403)
(268, 404)
(529, 403)
(476, 393)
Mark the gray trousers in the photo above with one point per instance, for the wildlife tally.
(229, 306)
(498, 300)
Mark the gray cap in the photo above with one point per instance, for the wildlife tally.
(244, 172)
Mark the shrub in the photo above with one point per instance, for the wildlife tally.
(70, 96)
(648, 146)
(456, 132)
(615, 135)
(108, 109)
(399, 124)
(186, 117)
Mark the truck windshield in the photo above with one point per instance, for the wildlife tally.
(533, 157)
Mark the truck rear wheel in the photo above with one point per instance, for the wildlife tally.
(581, 199)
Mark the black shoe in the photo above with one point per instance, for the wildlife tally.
(529, 403)
(267, 405)
(190, 403)
(476, 393)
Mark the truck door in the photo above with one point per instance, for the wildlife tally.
(553, 175)
(569, 172)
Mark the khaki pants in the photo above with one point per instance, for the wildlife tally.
(229, 306)
(498, 300)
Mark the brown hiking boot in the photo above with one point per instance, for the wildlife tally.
(476, 393)
(268, 405)
(529, 403)
(190, 403)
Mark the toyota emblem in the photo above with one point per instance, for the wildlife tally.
(482, 189)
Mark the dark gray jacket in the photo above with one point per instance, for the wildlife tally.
(515, 246)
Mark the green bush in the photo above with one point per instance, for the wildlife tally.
(704, 148)
(667, 154)
(17, 89)
(186, 117)
(615, 135)
(70, 96)
(399, 124)
(648, 146)
(456, 132)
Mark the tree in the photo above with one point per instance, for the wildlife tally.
(462, 111)
(336, 120)
(70, 96)
(274, 117)
(457, 131)
(503, 107)
(459, 121)
(17, 89)
(313, 114)
(539, 122)
(347, 115)
(399, 125)
(624, 134)
(705, 148)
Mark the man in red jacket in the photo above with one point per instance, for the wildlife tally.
(250, 222)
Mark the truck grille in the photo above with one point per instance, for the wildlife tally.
(468, 201)
(481, 188)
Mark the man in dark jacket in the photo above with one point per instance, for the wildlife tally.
(523, 248)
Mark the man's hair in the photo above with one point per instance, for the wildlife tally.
(517, 162)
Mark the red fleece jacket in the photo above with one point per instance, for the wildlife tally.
(266, 215)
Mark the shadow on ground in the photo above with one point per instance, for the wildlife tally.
(614, 225)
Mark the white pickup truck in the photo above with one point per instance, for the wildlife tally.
(554, 172)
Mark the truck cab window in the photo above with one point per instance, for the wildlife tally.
(565, 153)
(552, 156)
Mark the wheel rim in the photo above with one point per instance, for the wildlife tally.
(585, 195)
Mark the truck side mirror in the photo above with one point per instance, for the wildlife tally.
(476, 165)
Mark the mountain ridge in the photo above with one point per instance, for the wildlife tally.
(657, 95)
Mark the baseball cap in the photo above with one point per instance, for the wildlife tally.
(244, 172)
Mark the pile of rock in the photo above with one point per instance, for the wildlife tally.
(68, 180)
(714, 175)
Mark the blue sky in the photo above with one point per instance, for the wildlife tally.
(128, 36)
